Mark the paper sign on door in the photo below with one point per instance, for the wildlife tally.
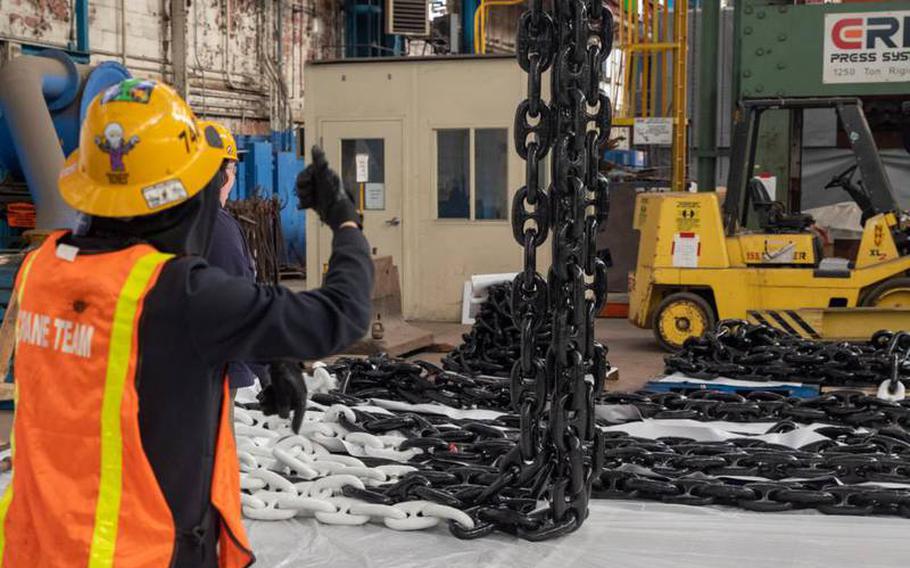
(363, 168)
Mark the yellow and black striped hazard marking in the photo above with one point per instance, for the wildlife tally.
(784, 320)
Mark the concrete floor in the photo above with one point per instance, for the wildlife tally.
(632, 350)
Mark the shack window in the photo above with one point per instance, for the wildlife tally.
(453, 170)
(491, 163)
(472, 173)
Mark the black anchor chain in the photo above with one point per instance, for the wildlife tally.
(755, 352)
(841, 408)
(494, 342)
(559, 450)
(859, 465)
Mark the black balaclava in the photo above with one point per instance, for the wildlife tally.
(185, 229)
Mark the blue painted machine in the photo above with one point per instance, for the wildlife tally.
(34, 139)
(269, 165)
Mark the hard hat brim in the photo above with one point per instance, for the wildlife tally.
(84, 194)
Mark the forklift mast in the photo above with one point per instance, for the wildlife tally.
(835, 54)
(852, 120)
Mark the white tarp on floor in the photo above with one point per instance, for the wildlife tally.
(618, 534)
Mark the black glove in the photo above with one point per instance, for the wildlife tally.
(319, 188)
(285, 394)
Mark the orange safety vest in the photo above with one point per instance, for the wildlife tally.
(83, 493)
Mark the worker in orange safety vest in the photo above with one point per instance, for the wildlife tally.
(122, 448)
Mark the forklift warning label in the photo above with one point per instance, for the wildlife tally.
(688, 216)
(686, 250)
(867, 47)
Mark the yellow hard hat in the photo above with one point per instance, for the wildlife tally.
(218, 136)
(141, 151)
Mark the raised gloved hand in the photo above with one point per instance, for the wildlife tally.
(285, 393)
(319, 188)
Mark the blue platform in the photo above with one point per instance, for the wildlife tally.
(685, 387)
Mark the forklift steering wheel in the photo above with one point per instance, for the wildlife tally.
(842, 178)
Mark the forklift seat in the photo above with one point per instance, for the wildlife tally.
(772, 217)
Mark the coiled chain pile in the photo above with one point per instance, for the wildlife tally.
(494, 342)
(741, 350)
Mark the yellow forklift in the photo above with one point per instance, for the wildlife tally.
(698, 263)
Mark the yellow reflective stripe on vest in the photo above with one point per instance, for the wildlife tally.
(107, 512)
(8, 494)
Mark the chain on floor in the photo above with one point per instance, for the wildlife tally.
(755, 352)
(410, 446)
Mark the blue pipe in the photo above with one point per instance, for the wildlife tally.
(32, 130)
(82, 44)
(468, 9)
(34, 137)
(54, 85)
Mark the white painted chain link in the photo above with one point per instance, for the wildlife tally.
(324, 456)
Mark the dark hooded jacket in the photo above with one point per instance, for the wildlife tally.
(194, 321)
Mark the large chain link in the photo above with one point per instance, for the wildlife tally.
(554, 394)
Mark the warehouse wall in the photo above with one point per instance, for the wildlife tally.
(231, 47)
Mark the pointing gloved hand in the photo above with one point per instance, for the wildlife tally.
(285, 393)
(319, 188)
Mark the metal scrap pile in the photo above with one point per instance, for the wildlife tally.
(494, 342)
(260, 221)
(741, 350)
(409, 445)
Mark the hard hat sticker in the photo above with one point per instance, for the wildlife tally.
(213, 138)
(116, 146)
(161, 194)
(129, 91)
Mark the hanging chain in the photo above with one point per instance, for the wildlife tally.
(559, 451)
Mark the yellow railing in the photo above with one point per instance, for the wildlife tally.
(480, 21)
(653, 42)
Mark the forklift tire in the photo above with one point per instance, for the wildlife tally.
(680, 316)
(893, 293)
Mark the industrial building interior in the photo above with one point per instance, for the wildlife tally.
(454, 283)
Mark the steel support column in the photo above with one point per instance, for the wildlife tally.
(178, 45)
(707, 103)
